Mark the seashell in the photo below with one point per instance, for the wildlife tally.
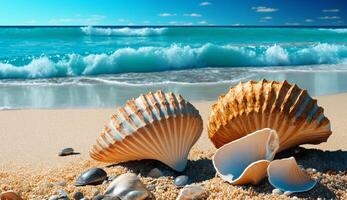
(160, 126)
(127, 186)
(10, 195)
(251, 106)
(286, 175)
(245, 160)
(91, 177)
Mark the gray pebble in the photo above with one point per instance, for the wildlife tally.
(287, 193)
(314, 170)
(181, 181)
(294, 197)
(277, 191)
(191, 192)
(138, 195)
(66, 152)
(91, 176)
(54, 197)
(98, 197)
(155, 173)
(78, 195)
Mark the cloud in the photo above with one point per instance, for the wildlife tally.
(202, 22)
(309, 20)
(329, 17)
(264, 9)
(266, 18)
(205, 3)
(292, 24)
(167, 14)
(330, 10)
(91, 20)
(192, 15)
(181, 23)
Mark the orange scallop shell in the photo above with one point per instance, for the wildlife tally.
(250, 106)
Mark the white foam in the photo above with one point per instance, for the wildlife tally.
(89, 30)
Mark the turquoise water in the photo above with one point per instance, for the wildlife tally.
(44, 67)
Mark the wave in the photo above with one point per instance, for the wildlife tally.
(176, 57)
(89, 30)
(335, 30)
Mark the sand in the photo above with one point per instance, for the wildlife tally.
(31, 139)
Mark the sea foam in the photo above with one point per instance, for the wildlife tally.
(176, 57)
(89, 30)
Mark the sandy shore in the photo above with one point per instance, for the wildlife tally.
(31, 139)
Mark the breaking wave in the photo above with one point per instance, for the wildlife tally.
(89, 30)
(175, 57)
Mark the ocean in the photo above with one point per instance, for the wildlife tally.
(69, 67)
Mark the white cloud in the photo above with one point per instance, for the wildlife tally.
(309, 20)
(202, 22)
(192, 15)
(264, 9)
(181, 23)
(329, 17)
(330, 10)
(91, 20)
(292, 24)
(266, 18)
(205, 3)
(167, 14)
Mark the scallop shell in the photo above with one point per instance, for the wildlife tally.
(286, 175)
(280, 106)
(160, 126)
(245, 160)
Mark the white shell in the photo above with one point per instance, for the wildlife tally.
(160, 126)
(286, 175)
(245, 160)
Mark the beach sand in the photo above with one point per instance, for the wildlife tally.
(31, 139)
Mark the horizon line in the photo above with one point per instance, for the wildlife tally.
(179, 26)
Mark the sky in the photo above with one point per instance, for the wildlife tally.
(174, 12)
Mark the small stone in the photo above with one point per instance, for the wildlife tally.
(63, 195)
(181, 181)
(98, 197)
(287, 193)
(277, 191)
(78, 195)
(191, 192)
(127, 184)
(84, 198)
(54, 197)
(314, 170)
(151, 187)
(294, 197)
(138, 195)
(66, 152)
(155, 173)
(92, 176)
(319, 198)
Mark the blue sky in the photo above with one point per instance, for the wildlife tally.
(173, 12)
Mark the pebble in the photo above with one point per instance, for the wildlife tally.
(294, 197)
(11, 195)
(314, 170)
(181, 181)
(91, 177)
(78, 195)
(191, 192)
(66, 152)
(98, 197)
(287, 193)
(126, 186)
(155, 173)
(277, 191)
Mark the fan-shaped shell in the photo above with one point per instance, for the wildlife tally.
(245, 160)
(160, 126)
(280, 106)
(286, 175)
